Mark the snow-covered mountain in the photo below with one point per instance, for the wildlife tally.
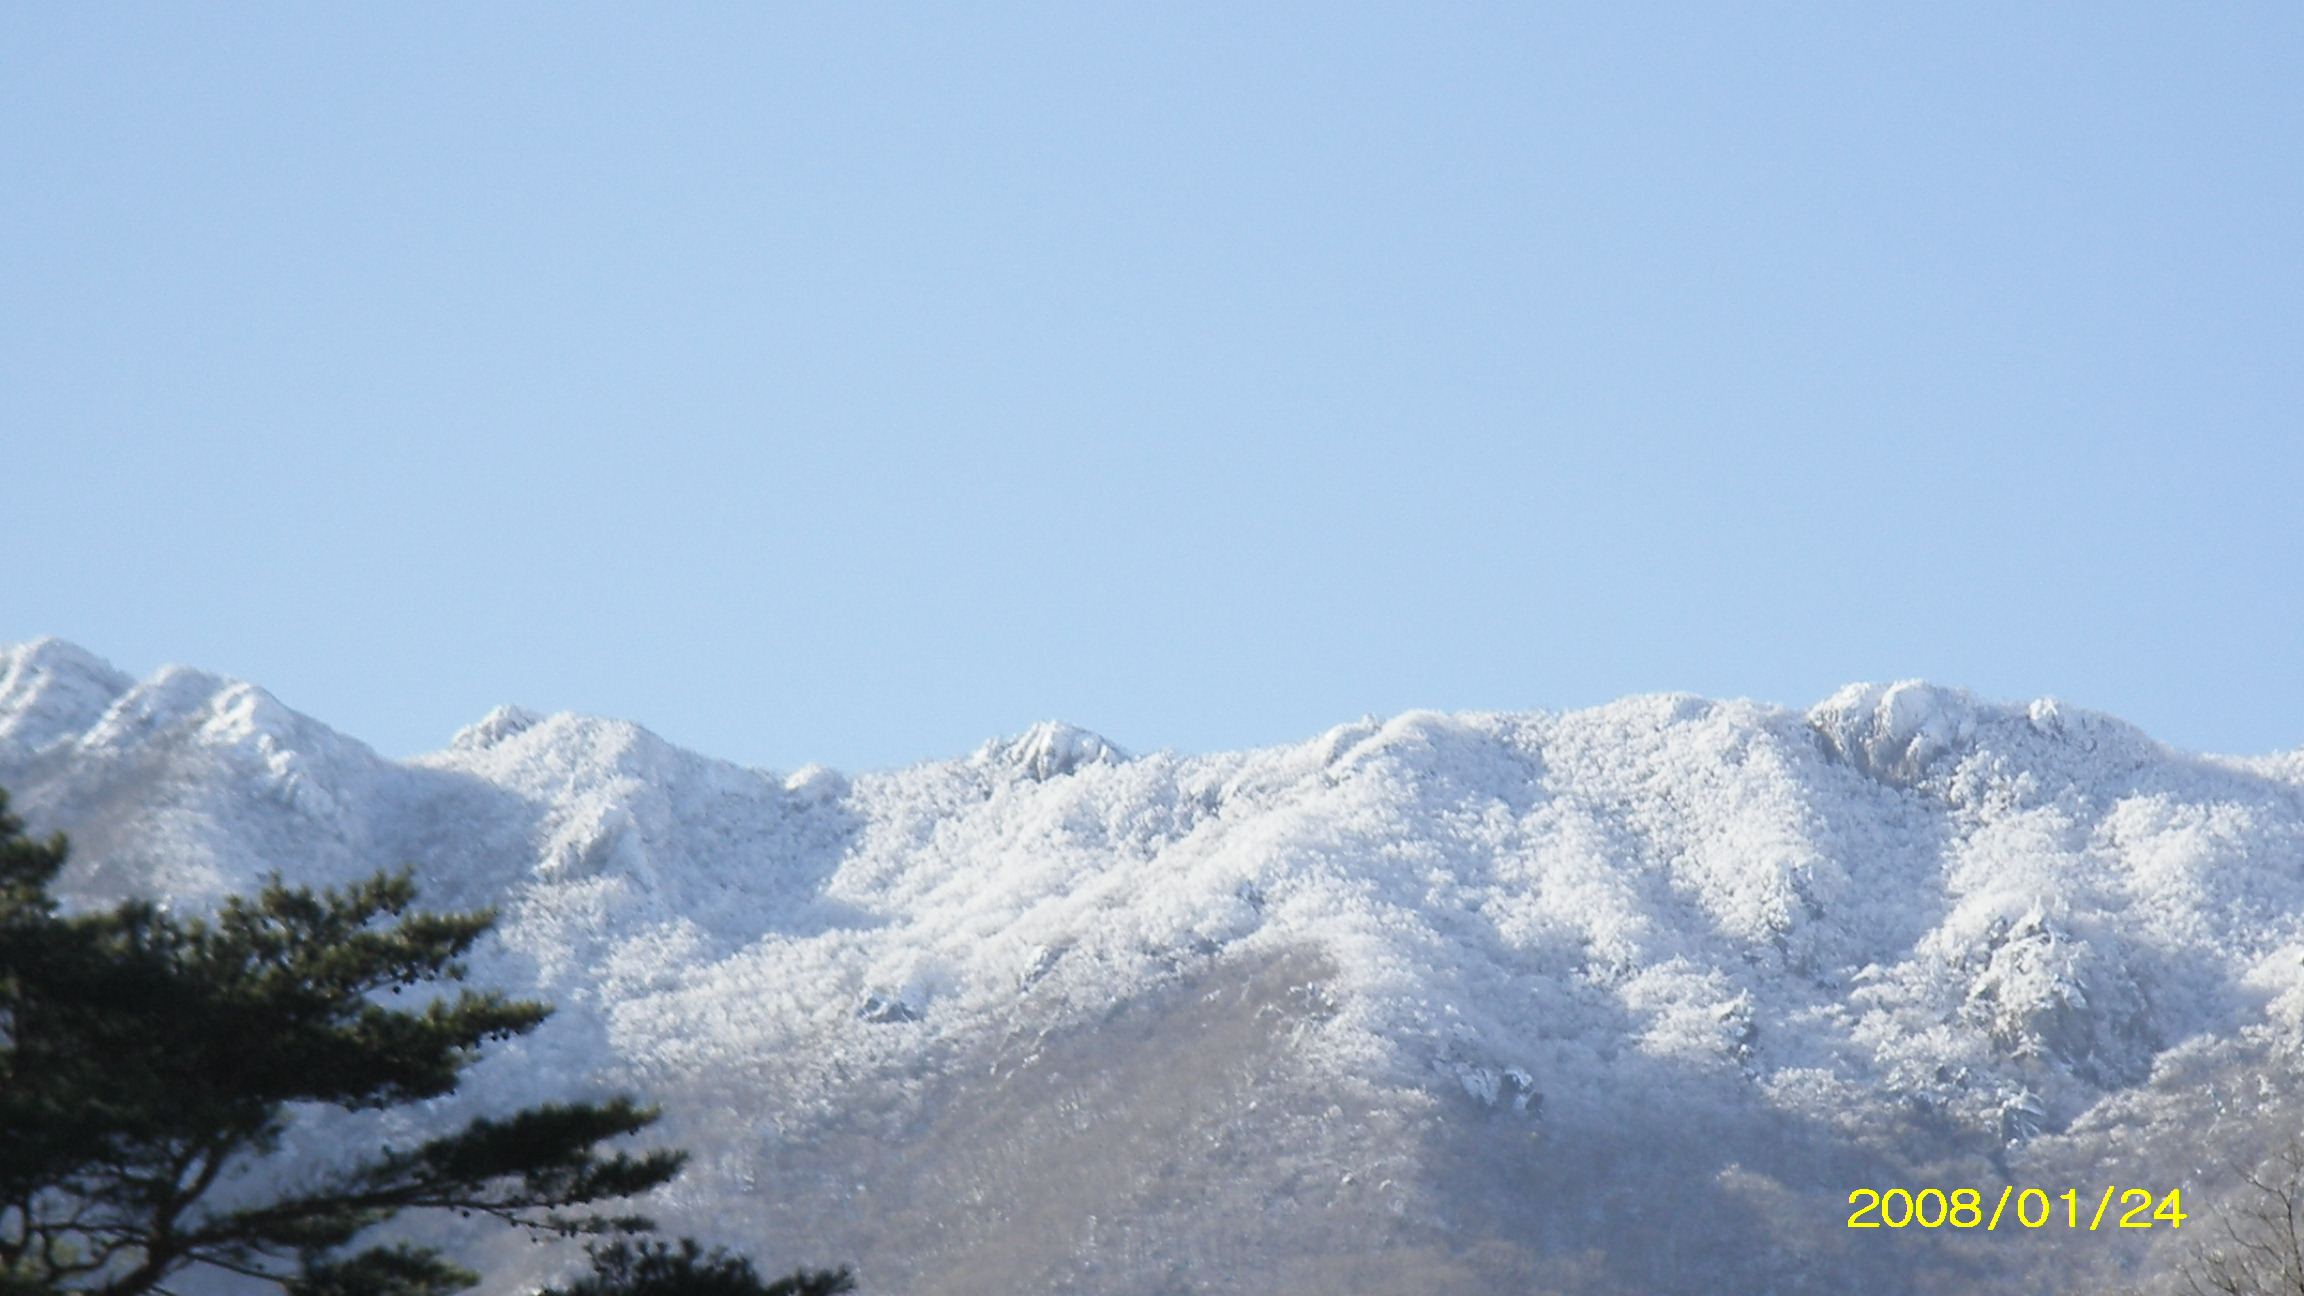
(1625, 999)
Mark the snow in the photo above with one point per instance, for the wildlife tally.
(51, 691)
(1905, 905)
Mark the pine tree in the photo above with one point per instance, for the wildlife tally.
(147, 1057)
(661, 1269)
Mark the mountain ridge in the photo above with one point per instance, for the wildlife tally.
(1903, 927)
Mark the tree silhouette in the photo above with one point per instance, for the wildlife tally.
(660, 1269)
(2257, 1247)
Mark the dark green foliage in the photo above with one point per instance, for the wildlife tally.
(146, 1057)
(382, 1271)
(661, 1269)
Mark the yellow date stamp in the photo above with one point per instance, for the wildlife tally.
(1963, 1208)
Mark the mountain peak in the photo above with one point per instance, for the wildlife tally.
(1050, 749)
(52, 690)
(499, 724)
(1895, 730)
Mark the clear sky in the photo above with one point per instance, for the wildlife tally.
(855, 382)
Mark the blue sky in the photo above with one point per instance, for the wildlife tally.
(854, 383)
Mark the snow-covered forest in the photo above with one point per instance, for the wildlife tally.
(1626, 999)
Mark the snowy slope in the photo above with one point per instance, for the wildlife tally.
(1618, 999)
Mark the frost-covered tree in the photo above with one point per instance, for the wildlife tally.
(2257, 1248)
(147, 1058)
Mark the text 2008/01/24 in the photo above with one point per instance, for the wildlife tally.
(1963, 1208)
